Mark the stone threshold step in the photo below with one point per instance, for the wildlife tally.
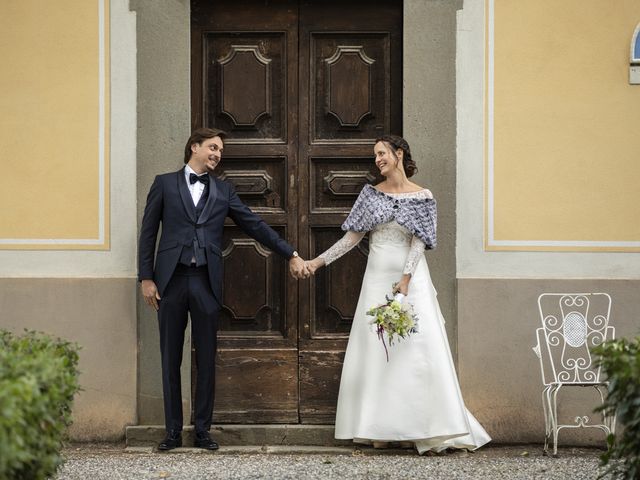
(244, 435)
(275, 450)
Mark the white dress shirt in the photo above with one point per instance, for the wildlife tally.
(195, 189)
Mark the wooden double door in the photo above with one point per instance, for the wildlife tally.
(303, 88)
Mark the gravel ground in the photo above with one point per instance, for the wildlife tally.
(519, 462)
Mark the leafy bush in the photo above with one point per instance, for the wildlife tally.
(38, 379)
(620, 362)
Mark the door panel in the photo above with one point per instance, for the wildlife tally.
(303, 88)
(253, 303)
(349, 85)
(336, 288)
(256, 385)
(245, 93)
(261, 182)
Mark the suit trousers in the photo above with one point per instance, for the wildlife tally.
(188, 291)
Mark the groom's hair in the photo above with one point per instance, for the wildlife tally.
(200, 135)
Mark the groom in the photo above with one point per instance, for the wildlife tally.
(192, 205)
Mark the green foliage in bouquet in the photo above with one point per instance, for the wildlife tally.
(394, 319)
(620, 362)
(38, 379)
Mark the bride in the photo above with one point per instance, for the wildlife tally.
(414, 398)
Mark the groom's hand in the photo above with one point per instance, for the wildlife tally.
(150, 293)
(298, 269)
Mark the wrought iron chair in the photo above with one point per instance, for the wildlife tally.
(572, 323)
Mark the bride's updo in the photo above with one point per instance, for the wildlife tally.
(395, 142)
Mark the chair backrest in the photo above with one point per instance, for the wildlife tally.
(572, 323)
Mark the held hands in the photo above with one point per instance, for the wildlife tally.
(150, 293)
(298, 268)
(315, 264)
(304, 269)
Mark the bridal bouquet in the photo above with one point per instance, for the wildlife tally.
(394, 319)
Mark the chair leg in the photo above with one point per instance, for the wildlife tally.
(554, 417)
(612, 419)
(547, 420)
(608, 420)
(605, 418)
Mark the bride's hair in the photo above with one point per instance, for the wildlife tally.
(395, 142)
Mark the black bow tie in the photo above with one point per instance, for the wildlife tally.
(204, 178)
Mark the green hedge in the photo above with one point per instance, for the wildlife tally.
(38, 379)
(620, 362)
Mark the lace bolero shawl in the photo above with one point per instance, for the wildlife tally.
(373, 207)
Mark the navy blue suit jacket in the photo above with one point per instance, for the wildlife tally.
(169, 202)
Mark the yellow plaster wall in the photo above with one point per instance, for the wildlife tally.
(566, 125)
(50, 124)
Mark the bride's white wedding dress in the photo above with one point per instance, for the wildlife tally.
(415, 396)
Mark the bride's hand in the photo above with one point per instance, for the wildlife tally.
(313, 265)
(403, 285)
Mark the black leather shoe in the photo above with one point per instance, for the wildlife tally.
(171, 441)
(203, 440)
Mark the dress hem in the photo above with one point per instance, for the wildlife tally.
(424, 444)
(400, 438)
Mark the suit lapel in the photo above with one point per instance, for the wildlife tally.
(213, 193)
(185, 195)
